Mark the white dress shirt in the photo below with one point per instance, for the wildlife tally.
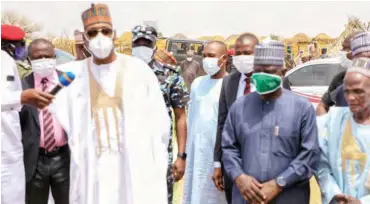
(241, 86)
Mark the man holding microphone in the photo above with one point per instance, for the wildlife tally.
(12, 167)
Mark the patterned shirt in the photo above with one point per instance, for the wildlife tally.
(173, 87)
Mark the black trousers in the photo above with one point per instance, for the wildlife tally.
(52, 171)
(228, 185)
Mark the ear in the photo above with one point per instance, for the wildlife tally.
(114, 35)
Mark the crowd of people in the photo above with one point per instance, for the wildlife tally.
(243, 137)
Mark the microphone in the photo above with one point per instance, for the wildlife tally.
(64, 80)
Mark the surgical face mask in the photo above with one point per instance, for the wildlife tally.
(344, 61)
(266, 83)
(189, 59)
(20, 53)
(244, 63)
(210, 65)
(143, 53)
(101, 46)
(44, 67)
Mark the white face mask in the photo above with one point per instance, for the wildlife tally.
(143, 53)
(101, 46)
(210, 65)
(43, 67)
(244, 63)
(344, 61)
(189, 59)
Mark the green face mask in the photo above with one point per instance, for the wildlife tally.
(266, 83)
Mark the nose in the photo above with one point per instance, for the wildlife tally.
(350, 97)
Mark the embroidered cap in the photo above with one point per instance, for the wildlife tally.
(270, 52)
(98, 13)
(144, 31)
(360, 65)
(360, 43)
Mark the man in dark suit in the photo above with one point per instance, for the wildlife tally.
(46, 152)
(235, 85)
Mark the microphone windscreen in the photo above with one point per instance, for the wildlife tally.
(66, 78)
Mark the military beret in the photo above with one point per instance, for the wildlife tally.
(12, 33)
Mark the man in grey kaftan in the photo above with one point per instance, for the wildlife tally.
(270, 137)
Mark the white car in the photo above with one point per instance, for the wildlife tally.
(313, 78)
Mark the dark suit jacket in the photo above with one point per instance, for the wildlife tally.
(30, 125)
(229, 90)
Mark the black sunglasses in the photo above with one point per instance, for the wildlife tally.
(105, 31)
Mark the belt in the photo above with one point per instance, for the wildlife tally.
(56, 151)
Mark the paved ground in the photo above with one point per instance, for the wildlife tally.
(178, 189)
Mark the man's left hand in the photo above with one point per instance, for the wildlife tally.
(178, 169)
(270, 189)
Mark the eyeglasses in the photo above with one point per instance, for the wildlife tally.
(105, 31)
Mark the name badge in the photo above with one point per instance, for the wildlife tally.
(9, 78)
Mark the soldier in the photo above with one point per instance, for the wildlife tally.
(12, 42)
(175, 95)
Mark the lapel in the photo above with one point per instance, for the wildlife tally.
(233, 86)
(30, 84)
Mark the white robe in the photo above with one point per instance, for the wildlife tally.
(12, 167)
(202, 127)
(145, 134)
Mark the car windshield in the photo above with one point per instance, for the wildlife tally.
(63, 57)
(315, 75)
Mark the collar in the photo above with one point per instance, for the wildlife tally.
(53, 78)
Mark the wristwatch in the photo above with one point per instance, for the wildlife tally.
(281, 182)
(182, 155)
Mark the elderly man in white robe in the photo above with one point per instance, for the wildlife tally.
(118, 128)
(344, 168)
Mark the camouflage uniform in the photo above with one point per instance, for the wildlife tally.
(24, 69)
(175, 95)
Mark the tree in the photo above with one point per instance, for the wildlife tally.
(354, 24)
(27, 25)
(64, 43)
(274, 37)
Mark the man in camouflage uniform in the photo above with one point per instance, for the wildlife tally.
(12, 42)
(175, 95)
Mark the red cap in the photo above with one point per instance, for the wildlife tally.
(12, 33)
(230, 52)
